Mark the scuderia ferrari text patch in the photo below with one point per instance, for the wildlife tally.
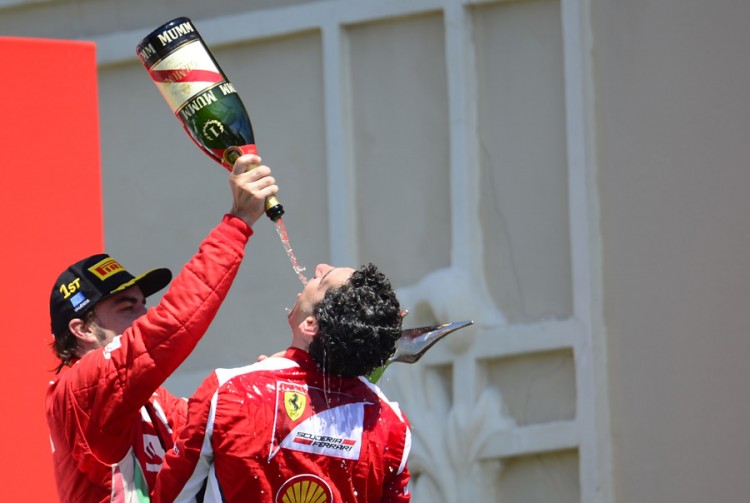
(310, 420)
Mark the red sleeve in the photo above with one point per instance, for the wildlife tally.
(100, 396)
(395, 488)
(175, 410)
(186, 466)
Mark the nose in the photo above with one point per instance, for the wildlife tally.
(321, 269)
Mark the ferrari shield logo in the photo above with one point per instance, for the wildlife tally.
(295, 404)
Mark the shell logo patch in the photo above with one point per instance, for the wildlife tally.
(106, 268)
(294, 402)
(304, 489)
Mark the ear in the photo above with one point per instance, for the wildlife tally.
(309, 327)
(305, 332)
(82, 332)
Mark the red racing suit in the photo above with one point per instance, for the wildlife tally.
(110, 421)
(281, 431)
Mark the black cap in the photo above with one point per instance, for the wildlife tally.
(82, 285)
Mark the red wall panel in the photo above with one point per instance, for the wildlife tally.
(50, 216)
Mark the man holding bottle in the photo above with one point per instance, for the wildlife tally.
(110, 420)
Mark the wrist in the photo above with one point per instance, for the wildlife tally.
(238, 222)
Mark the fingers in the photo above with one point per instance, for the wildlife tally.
(275, 355)
(248, 170)
(259, 182)
(245, 163)
(251, 183)
(258, 173)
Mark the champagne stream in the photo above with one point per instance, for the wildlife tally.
(281, 231)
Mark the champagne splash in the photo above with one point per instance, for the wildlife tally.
(281, 231)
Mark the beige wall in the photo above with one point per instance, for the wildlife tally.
(401, 149)
(522, 154)
(672, 81)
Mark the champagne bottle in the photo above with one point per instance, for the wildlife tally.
(200, 95)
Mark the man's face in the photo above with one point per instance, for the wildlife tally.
(325, 277)
(117, 313)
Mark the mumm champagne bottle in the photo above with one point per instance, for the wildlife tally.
(200, 95)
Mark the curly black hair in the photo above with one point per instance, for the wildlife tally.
(358, 325)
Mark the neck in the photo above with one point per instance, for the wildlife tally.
(301, 341)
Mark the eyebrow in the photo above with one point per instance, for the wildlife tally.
(128, 299)
(325, 275)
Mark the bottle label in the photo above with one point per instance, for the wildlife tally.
(185, 73)
(165, 39)
(209, 97)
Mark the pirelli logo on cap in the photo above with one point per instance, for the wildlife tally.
(106, 268)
